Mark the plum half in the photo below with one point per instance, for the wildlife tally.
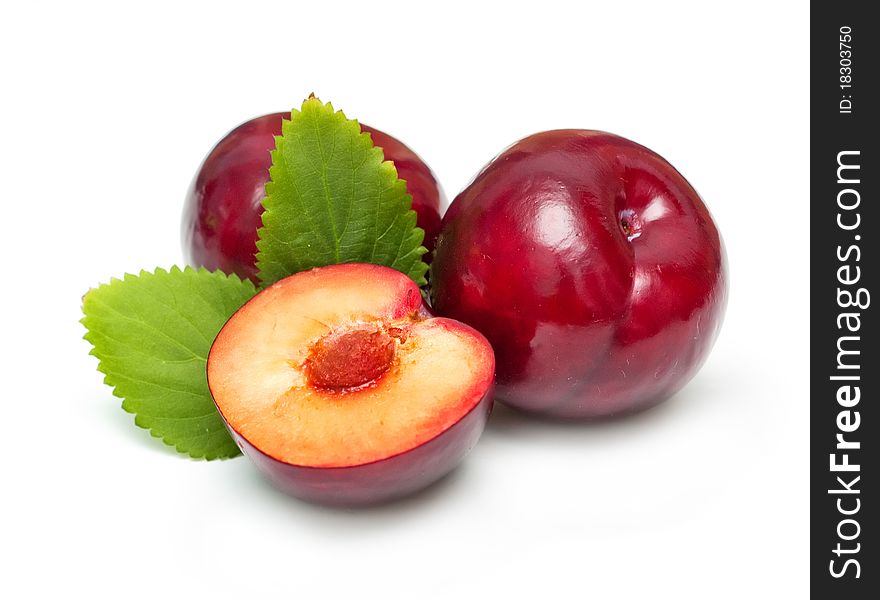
(591, 265)
(223, 208)
(343, 389)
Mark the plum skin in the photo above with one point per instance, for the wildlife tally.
(591, 265)
(380, 481)
(223, 209)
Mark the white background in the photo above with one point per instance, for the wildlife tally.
(108, 110)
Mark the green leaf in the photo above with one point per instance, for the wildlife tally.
(151, 334)
(332, 198)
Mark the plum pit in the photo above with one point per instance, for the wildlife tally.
(352, 357)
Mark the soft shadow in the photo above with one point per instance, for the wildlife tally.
(507, 422)
(343, 520)
(123, 422)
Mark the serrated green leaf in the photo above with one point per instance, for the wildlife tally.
(332, 198)
(152, 334)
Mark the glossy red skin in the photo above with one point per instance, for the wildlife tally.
(378, 481)
(584, 322)
(223, 205)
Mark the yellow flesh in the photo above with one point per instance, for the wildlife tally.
(258, 380)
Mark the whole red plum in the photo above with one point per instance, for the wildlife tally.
(223, 206)
(591, 265)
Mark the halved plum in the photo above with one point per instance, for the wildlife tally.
(343, 389)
